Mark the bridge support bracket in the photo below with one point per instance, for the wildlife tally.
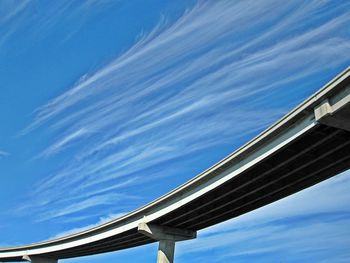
(36, 259)
(167, 236)
(335, 112)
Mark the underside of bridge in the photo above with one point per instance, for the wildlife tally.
(316, 156)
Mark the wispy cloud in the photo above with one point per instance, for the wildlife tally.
(101, 221)
(10, 10)
(64, 142)
(189, 85)
(3, 154)
(105, 199)
(27, 19)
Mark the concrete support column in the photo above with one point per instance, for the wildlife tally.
(36, 259)
(167, 236)
(166, 251)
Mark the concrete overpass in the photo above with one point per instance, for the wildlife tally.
(308, 145)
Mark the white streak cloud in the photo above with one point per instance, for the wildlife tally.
(3, 154)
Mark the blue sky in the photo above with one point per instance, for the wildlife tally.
(106, 105)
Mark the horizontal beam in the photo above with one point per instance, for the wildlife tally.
(165, 233)
(36, 259)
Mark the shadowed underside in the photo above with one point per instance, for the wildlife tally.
(307, 146)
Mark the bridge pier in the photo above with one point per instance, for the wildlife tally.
(36, 259)
(166, 251)
(167, 236)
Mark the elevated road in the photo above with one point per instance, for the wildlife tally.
(307, 146)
